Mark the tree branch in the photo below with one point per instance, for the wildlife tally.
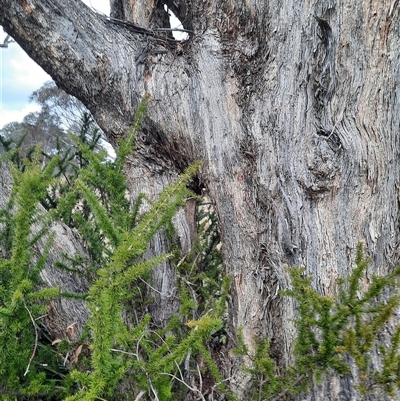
(85, 53)
(7, 40)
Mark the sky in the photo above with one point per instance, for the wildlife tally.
(20, 76)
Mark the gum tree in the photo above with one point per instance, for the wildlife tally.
(292, 108)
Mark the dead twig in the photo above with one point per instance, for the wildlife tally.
(36, 340)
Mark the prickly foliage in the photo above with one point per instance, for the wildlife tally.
(336, 333)
(92, 199)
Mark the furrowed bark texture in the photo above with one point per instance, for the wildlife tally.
(293, 107)
(66, 316)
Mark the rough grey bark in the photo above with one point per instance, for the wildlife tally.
(293, 107)
(63, 312)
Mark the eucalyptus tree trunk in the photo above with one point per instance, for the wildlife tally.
(293, 108)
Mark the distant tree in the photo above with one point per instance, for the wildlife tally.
(61, 114)
(66, 108)
(35, 127)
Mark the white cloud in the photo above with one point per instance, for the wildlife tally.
(19, 77)
(25, 71)
(8, 116)
(102, 6)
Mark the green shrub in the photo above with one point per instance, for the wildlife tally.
(92, 199)
(335, 333)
